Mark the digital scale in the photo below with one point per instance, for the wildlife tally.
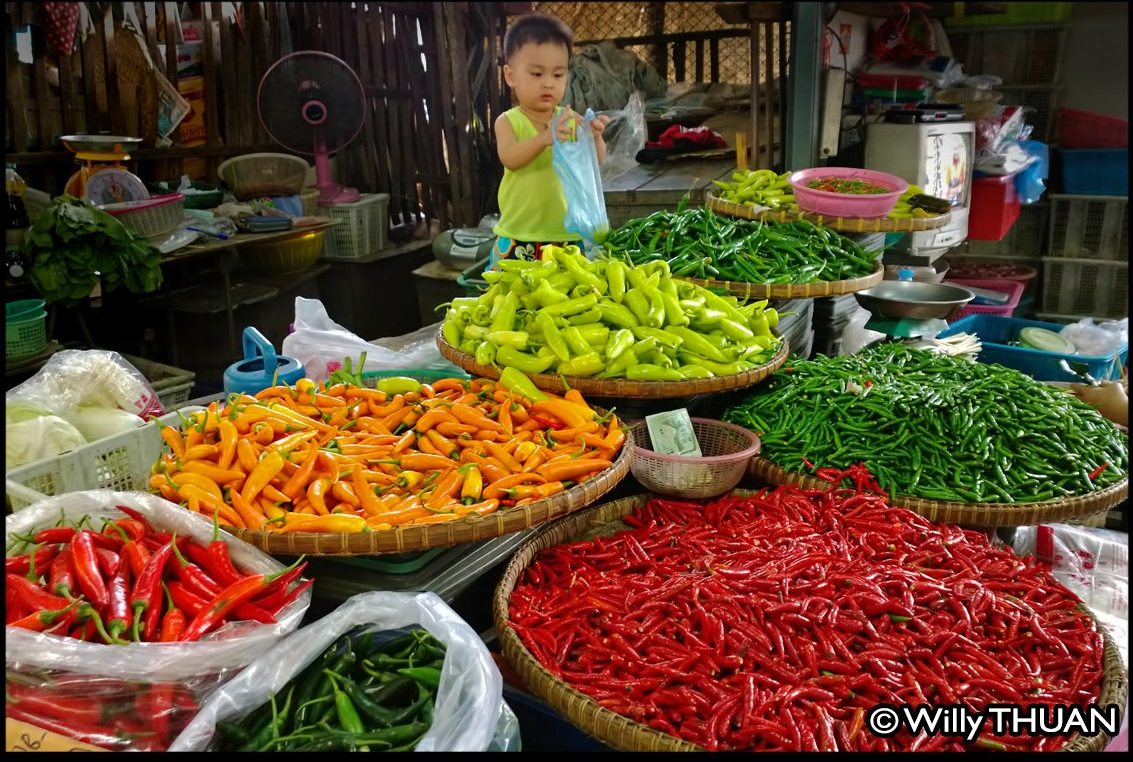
(102, 177)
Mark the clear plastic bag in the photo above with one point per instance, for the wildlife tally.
(1098, 339)
(77, 378)
(322, 344)
(625, 136)
(576, 164)
(470, 713)
(158, 686)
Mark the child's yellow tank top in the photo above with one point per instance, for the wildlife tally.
(532, 202)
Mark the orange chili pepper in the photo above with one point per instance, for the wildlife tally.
(443, 444)
(172, 437)
(482, 508)
(250, 514)
(473, 417)
(503, 456)
(424, 462)
(572, 469)
(497, 489)
(297, 483)
(449, 384)
(332, 524)
(266, 469)
(504, 416)
(446, 490)
(365, 493)
(273, 493)
(456, 429)
(213, 471)
(246, 455)
(316, 493)
(432, 418)
(436, 518)
(345, 493)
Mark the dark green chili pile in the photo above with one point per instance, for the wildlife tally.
(934, 427)
(698, 243)
(367, 692)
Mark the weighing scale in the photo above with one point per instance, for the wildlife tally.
(102, 177)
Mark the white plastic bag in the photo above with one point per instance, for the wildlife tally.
(88, 378)
(576, 164)
(108, 676)
(322, 344)
(470, 713)
(625, 136)
(1100, 339)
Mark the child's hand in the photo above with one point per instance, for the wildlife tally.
(598, 125)
(567, 130)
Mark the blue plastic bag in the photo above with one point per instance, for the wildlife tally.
(576, 164)
(1030, 183)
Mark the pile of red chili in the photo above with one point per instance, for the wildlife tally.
(774, 622)
(128, 582)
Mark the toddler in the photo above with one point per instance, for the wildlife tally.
(532, 203)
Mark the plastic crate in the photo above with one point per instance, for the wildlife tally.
(1095, 171)
(994, 209)
(1025, 239)
(362, 227)
(120, 462)
(1013, 288)
(172, 385)
(1043, 101)
(1085, 288)
(1089, 227)
(26, 335)
(996, 333)
(541, 728)
(1085, 129)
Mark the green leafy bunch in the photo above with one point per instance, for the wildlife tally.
(72, 244)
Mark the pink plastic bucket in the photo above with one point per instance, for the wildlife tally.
(846, 204)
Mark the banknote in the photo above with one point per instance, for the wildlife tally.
(671, 433)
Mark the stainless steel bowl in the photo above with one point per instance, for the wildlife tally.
(909, 299)
(100, 143)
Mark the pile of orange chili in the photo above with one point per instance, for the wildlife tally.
(343, 458)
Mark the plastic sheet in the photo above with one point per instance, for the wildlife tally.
(137, 696)
(625, 135)
(470, 712)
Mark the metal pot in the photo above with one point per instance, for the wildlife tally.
(910, 299)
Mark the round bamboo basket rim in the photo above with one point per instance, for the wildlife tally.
(969, 514)
(415, 537)
(812, 290)
(841, 224)
(621, 388)
(621, 732)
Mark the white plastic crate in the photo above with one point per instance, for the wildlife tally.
(172, 385)
(361, 230)
(1089, 227)
(121, 462)
(1074, 288)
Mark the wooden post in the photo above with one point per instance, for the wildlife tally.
(755, 72)
(655, 25)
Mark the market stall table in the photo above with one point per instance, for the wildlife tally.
(648, 188)
(230, 296)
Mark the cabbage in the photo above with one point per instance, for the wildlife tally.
(38, 438)
(99, 422)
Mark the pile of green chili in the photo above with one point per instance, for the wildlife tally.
(367, 692)
(698, 243)
(934, 427)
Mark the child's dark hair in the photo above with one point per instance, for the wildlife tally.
(538, 29)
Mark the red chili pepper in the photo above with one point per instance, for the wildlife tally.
(118, 590)
(161, 711)
(1098, 471)
(214, 561)
(272, 599)
(23, 563)
(133, 529)
(173, 623)
(42, 620)
(231, 597)
(136, 554)
(47, 703)
(61, 575)
(146, 596)
(34, 596)
(108, 560)
(193, 575)
(90, 733)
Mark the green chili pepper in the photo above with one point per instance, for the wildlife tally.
(574, 339)
(553, 336)
(586, 364)
(523, 361)
(513, 339)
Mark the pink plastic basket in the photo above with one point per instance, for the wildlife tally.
(726, 451)
(1013, 288)
(847, 204)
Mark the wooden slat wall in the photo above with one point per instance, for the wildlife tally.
(413, 60)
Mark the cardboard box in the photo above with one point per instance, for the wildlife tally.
(193, 126)
(190, 59)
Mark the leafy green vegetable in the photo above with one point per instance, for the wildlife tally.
(72, 245)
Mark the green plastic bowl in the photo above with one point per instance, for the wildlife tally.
(208, 200)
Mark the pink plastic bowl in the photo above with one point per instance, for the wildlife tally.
(847, 204)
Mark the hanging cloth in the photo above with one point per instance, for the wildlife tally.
(62, 20)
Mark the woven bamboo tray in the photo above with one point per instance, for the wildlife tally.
(841, 224)
(982, 515)
(411, 538)
(619, 731)
(794, 290)
(621, 388)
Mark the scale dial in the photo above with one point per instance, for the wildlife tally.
(112, 185)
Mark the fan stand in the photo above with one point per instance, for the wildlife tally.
(330, 192)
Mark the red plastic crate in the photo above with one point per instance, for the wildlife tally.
(1013, 288)
(1085, 129)
(995, 207)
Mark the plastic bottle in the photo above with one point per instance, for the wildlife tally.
(16, 224)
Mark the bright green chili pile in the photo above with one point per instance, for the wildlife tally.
(369, 691)
(935, 427)
(698, 243)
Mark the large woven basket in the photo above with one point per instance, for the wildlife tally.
(619, 731)
(285, 255)
(813, 290)
(621, 388)
(841, 224)
(409, 538)
(970, 514)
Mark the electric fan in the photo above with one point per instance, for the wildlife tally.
(313, 103)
